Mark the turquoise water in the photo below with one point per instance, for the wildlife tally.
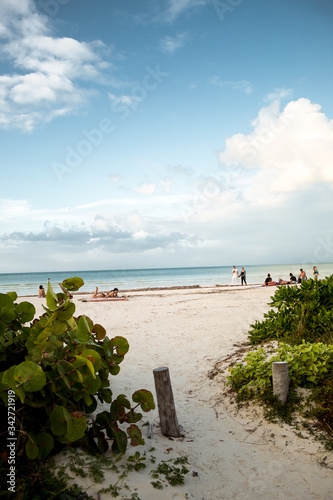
(28, 283)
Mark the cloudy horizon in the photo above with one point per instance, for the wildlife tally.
(179, 134)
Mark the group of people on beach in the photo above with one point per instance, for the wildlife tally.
(236, 275)
(96, 294)
(292, 279)
(269, 281)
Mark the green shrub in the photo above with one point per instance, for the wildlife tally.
(308, 365)
(303, 312)
(54, 371)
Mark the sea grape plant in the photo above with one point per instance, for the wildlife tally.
(303, 312)
(58, 367)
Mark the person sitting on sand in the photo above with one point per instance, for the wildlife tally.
(112, 293)
(268, 281)
(41, 291)
(292, 278)
(302, 276)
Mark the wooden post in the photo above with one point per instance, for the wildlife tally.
(165, 402)
(280, 380)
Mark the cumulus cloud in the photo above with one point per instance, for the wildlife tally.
(49, 69)
(287, 150)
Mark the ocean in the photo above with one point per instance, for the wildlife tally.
(125, 279)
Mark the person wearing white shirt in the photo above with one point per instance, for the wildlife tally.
(235, 275)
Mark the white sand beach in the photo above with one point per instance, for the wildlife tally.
(232, 454)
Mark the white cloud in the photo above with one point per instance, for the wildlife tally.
(115, 177)
(177, 7)
(243, 85)
(13, 208)
(287, 151)
(48, 70)
(140, 235)
(278, 93)
(126, 100)
(147, 189)
(170, 44)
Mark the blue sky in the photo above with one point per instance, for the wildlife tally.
(165, 133)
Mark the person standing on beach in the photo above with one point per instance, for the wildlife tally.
(235, 275)
(315, 273)
(243, 276)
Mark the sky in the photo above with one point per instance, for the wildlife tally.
(165, 133)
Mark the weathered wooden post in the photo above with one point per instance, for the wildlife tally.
(165, 402)
(280, 380)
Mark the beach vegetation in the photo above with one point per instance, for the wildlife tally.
(303, 312)
(54, 370)
(168, 472)
(301, 322)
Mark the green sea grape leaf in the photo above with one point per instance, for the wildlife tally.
(80, 361)
(9, 381)
(59, 420)
(47, 351)
(92, 407)
(56, 328)
(6, 300)
(66, 311)
(106, 395)
(25, 311)
(120, 441)
(117, 411)
(12, 295)
(99, 331)
(92, 384)
(114, 369)
(64, 367)
(83, 331)
(94, 357)
(73, 284)
(87, 399)
(30, 376)
(145, 399)
(121, 344)
(51, 298)
(135, 434)
(7, 314)
(122, 399)
(77, 427)
(132, 417)
(103, 419)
